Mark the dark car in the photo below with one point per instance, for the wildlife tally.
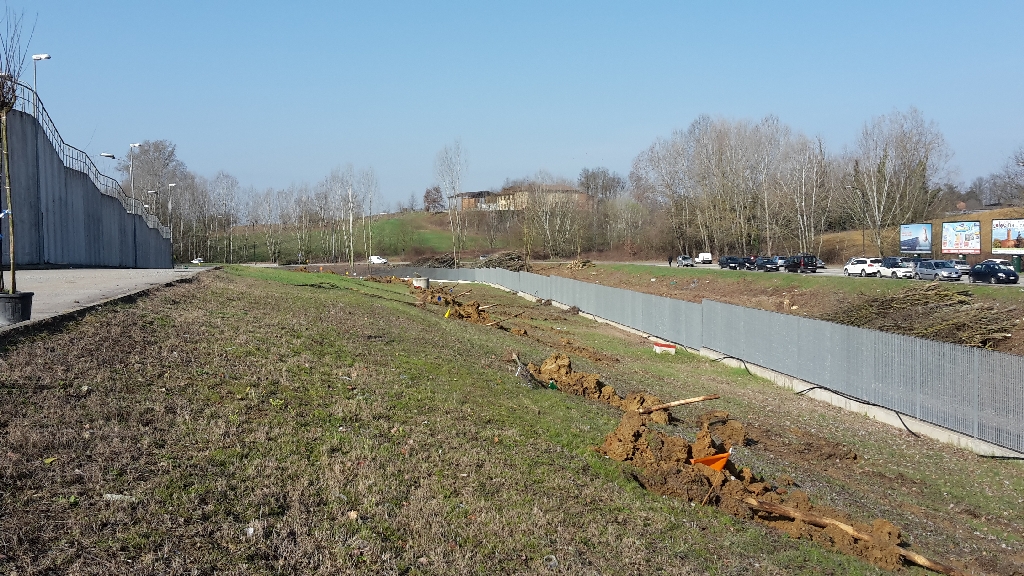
(749, 262)
(993, 274)
(766, 265)
(732, 263)
(802, 263)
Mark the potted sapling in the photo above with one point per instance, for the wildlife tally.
(15, 306)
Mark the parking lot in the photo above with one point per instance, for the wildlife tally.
(831, 270)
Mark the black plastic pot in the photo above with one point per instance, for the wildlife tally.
(15, 307)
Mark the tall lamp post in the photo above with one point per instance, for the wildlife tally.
(131, 170)
(35, 94)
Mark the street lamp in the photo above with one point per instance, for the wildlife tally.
(35, 94)
(131, 170)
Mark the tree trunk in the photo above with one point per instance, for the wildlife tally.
(10, 204)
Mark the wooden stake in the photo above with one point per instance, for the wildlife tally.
(824, 521)
(648, 410)
(462, 294)
(489, 306)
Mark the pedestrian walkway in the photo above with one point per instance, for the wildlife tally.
(63, 291)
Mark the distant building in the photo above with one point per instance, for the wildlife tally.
(519, 197)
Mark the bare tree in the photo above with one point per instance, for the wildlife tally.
(896, 163)
(448, 168)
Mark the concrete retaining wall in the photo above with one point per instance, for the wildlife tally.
(62, 218)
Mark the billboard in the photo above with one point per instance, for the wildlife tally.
(1007, 236)
(961, 237)
(916, 238)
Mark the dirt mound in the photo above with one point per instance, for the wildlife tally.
(933, 312)
(557, 368)
(664, 463)
(470, 312)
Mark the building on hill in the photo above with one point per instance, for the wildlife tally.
(519, 197)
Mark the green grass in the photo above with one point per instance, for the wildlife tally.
(284, 401)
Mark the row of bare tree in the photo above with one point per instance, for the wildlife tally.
(736, 186)
(327, 219)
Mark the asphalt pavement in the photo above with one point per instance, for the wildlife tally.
(57, 292)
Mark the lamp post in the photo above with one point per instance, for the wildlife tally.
(35, 94)
(131, 170)
(170, 220)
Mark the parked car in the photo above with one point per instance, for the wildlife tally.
(997, 261)
(893, 267)
(801, 263)
(704, 258)
(862, 267)
(378, 260)
(766, 265)
(936, 270)
(993, 274)
(821, 264)
(749, 262)
(961, 265)
(684, 261)
(731, 262)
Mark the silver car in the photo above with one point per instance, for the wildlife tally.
(936, 270)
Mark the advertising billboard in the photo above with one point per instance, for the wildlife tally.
(916, 238)
(1008, 236)
(961, 237)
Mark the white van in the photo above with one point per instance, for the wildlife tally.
(704, 258)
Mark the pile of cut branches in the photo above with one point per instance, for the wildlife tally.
(579, 264)
(933, 312)
(510, 260)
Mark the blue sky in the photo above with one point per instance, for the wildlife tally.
(278, 93)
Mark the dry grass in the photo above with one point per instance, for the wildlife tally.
(334, 427)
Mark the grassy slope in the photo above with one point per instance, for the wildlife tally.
(290, 405)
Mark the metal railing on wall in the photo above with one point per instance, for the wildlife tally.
(973, 391)
(29, 103)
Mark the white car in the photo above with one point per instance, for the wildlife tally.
(378, 260)
(895, 270)
(863, 267)
(197, 261)
(704, 258)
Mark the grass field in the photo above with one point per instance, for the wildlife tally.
(261, 421)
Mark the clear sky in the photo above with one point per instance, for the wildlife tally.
(282, 92)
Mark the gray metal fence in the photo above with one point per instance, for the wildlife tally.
(979, 393)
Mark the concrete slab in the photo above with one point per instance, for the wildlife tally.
(58, 292)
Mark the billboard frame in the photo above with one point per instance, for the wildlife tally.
(962, 250)
(911, 239)
(1007, 230)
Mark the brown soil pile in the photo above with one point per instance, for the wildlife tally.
(557, 369)
(469, 312)
(664, 468)
(438, 295)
